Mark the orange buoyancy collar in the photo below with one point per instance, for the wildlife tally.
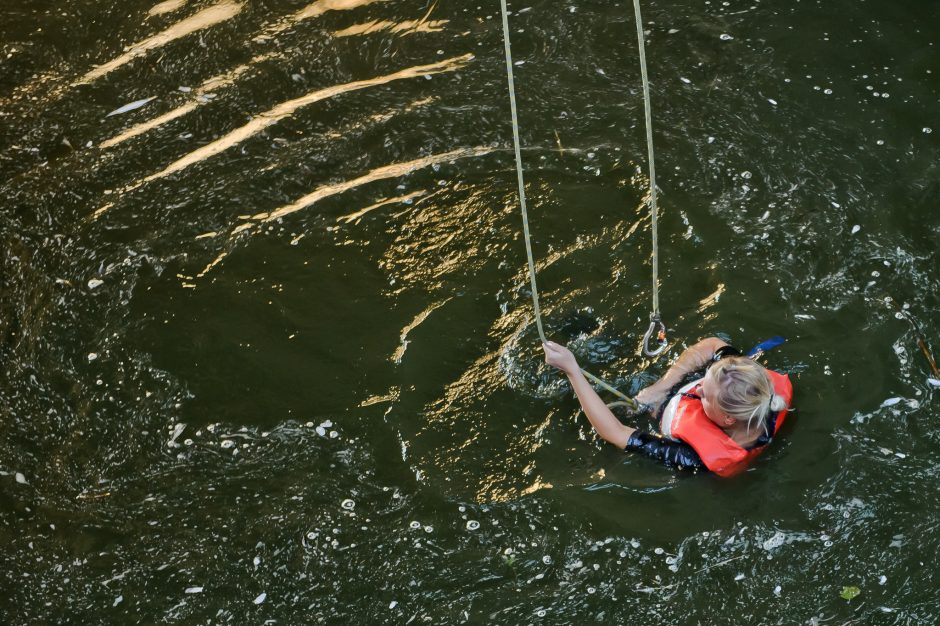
(684, 419)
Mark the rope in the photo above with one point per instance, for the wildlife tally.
(525, 215)
(516, 145)
(654, 209)
(655, 319)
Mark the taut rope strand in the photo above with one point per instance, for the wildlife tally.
(655, 320)
(525, 216)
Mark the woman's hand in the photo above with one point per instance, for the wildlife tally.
(652, 396)
(560, 357)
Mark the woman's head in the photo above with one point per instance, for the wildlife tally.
(736, 389)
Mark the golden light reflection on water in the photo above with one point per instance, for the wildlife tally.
(228, 78)
(288, 108)
(205, 18)
(168, 6)
(408, 27)
(388, 171)
(417, 321)
(220, 81)
(312, 10)
(394, 170)
(391, 396)
(468, 436)
(712, 299)
(442, 237)
(467, 428)
(142, 128)
(355, 217)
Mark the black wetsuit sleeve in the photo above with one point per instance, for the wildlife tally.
(724, 351)
(673, 453)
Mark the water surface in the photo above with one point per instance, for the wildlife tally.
(267, 342)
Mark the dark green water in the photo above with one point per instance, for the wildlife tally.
(225, 400)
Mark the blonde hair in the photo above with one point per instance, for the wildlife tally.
(745, 392)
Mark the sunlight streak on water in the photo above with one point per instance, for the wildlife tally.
(313, 10)
(206, 18)
(220, 81)
(284, 110)
(167, 6)
(407, 198)
(387, 171)
(407, 27)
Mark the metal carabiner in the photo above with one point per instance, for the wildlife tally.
(655, 323)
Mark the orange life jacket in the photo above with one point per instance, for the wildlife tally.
(684, 419)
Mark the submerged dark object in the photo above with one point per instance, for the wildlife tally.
(579, 323)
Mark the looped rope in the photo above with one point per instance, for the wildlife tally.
(525, 216)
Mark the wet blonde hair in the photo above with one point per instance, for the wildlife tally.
(745, 392)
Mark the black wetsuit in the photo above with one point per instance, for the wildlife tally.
(678, 453)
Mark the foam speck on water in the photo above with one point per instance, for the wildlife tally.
(776, 541)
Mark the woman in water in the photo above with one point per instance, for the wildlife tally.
(720, 420)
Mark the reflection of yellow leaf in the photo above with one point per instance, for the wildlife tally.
(850, 592)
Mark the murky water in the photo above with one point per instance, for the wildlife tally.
(267, 346)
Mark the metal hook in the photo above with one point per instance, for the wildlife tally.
(655, 323)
